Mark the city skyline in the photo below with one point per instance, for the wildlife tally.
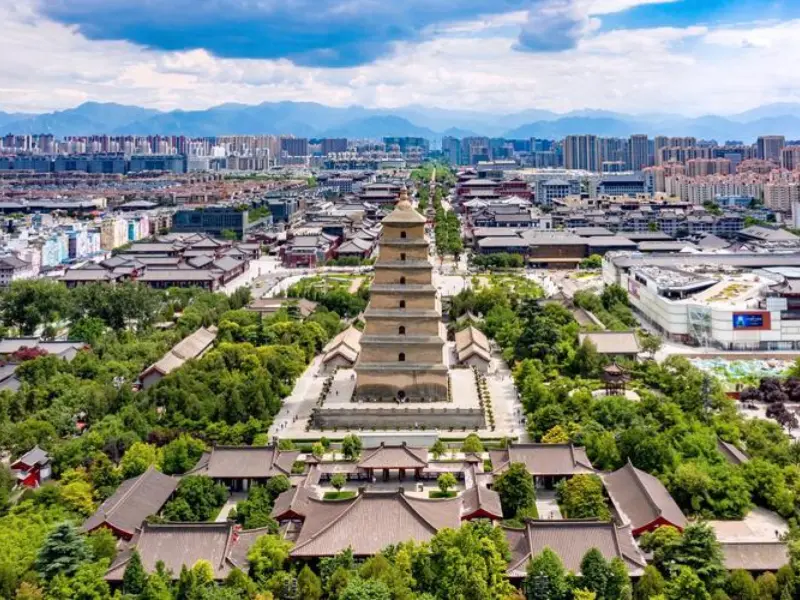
(634, 56)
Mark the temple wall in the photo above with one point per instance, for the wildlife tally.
(387, 418)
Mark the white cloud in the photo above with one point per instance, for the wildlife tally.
(691, 70)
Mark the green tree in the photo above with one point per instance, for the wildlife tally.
(446, 481)
(309, 586)
(137, 459)
(103, 544)
(469, 562)
(768, 587)
(360, 589)
(352, 447)
(438, 449)
(7, 482)
(62, 552)
(33, 303)
(181, 454)
(546, 577)
(687, 586)
(700, 551)
(197, 498)
(88, 329)
(516, 490)
(619, 581)
(556, 435)
(650, 584)
(472, 444)
(229, 234)
(267, 555)
(317, 450)
(254, 512)
(134, 579)
(587, 362)
(581, 497)
(338, 481)
(650, 344)
(741, 585)
(595, 572)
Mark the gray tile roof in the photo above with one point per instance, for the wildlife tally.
(247, 462)
(755, 556)
(394, 457)
(543, 459)
(571, 540)
(182, 544)
(613, 342)
(731, 453)
(134, 501)
(371, 521)
(641, 499)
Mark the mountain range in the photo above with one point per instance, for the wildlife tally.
(309, 119)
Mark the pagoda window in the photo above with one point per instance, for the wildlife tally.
(402, 256)
(401, 357)
(402, 281)
(403, 235)
(401, 330)
(402, 303)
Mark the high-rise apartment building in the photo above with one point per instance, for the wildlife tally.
(294, 146)
(659, 142)
(582, 152)
(769, 147)
(790, 158)
(329, 145)
(451, 149)
(639, 149)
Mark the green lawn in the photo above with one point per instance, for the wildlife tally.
(338, 495)
(441, 494)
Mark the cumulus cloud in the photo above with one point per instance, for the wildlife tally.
(555, 25)
(49, 65)
(330, 33)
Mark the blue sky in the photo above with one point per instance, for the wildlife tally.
(687, 56)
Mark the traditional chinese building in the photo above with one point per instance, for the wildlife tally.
(402, 349)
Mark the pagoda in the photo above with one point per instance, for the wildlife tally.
(402, 349)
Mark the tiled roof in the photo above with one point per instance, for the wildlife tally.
(613, 342)
(481, 499)
(755, 556)
(371, 521)
(134, 501)
(543, 459)
(571, 540)
(346, 344)
(246, 462)
(182, 544)
(394, 457)
(731, 453)
(190, 347)
(471, 341)
(641, 499)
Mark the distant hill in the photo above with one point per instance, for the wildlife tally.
(310, 119)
